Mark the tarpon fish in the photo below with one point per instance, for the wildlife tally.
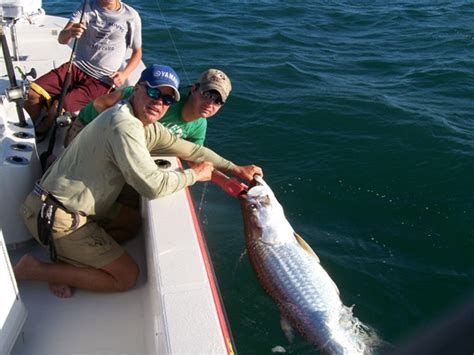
(290, 272)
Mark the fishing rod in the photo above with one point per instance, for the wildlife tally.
(67, 79)
(15, 93)
(69, 68)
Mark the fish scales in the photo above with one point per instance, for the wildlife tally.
(303, 291)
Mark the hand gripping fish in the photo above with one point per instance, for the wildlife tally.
(290, 272)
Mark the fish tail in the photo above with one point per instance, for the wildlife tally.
(365, 339)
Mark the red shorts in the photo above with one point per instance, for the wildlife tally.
(83, 88)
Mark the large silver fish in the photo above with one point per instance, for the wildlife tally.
(290, 272)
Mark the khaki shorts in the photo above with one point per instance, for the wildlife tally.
(87, 245)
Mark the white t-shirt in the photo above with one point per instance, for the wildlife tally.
(102, 47)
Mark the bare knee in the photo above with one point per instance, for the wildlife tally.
(125, 272)
(33, 97)
(33, 105)
(129, 279)
(125, 225)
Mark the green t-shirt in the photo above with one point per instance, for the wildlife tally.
(194, 131)
(88, 113)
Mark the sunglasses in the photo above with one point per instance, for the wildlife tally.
(213, 97)
(156, 94)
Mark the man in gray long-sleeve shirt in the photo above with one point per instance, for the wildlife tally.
(83, 185)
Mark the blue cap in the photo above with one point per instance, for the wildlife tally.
(157, 75)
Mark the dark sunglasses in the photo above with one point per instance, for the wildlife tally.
(213, 97)
(156, 94)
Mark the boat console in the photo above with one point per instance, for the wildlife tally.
(17, 9)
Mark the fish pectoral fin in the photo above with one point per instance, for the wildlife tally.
(287, 329)
(311, 252)
(305, 246)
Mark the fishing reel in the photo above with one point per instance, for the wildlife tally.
(15, 93)
(24, 76)
(65, 120)
(20, 92)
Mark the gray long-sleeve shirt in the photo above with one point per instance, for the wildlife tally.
(114, 149)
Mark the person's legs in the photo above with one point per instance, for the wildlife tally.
(76, 127)
(118, 276)
(124, 220)
(88, 257)
(45, 124)
(43, 90)
(85, 89)
(33, 105)
(125, 224)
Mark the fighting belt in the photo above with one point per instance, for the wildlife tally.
(45, 220)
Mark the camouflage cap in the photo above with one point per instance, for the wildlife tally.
(215, 79)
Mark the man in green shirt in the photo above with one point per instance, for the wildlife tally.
(186, 119)
(71, 206)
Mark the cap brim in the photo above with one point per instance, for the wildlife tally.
(176, 92)
(210, 86)
(177, 96)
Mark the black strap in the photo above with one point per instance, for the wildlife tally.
(45, 223)
(45, 195)
(45, 220)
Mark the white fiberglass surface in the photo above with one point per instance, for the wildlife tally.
(88, 322)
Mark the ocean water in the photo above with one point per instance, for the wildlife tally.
(361, 115)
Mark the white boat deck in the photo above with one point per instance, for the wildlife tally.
(88, 322)
(37, 46)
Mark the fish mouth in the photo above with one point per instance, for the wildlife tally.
(257, 181)
(259, 190)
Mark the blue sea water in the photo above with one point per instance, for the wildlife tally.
(361, 115)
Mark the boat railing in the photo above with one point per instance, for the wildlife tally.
(19, 166)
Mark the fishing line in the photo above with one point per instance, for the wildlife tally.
(201, 202)
(173, 42)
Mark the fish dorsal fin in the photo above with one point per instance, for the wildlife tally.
(305, 246)
(311, 252)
